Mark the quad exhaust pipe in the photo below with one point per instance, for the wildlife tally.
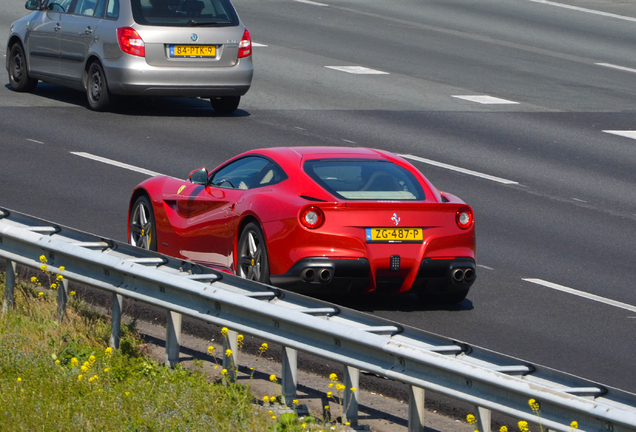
(463, 275)
(311, 274)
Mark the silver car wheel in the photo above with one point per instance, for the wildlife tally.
(252, 262)
(141, 226)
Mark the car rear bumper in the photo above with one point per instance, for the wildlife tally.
(325, 275)
(135, 77)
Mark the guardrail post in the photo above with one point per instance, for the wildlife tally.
(230, 363)
(350, 402)
(483, 419)
(62, 299)
(9, 282)
(416, 409)
(173, 338)
(290, 375)
(115, 324)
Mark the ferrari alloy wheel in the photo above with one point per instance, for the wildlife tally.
(252, 254)
(142, 225)
(18, 75)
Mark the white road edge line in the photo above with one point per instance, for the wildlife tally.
(623, 68)
(256, 45)
(357, 70)
(580, 9)
(582, 294)
(458, 169)
(35, 141)
(485, 99)
(117, 164)
(624, 133)
(311, 2)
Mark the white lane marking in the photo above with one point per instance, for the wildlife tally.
(580, 9)
(458, 169)
(348, 141)
(35, 141)
(117, 164)
(358, 70)
(579, 200)
(582, 294)
(299, 128)
(623, 68)
(486, 267)
(256, 45)
(486, 100)
(311, 2)
(624, 133)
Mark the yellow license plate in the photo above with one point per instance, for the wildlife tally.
(192, 51)
(395, 235)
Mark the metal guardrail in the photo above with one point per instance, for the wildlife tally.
(422, 360)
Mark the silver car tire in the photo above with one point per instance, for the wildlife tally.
(225, 104)
(19, 78)
(141, 225)
(99, 98)
(252, 261)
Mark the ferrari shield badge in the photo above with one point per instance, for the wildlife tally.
(180, 189)
(395, 219)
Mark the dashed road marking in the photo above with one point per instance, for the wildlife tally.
(35, 141)
(311, 2)
(579, 200)
(582, 294)
(486, 267)
(623, 68)
(458, 169)
(348, 141)
(257, 45)
(624, 133)
(486, 100)
(580, 9)
(116, 163)
(358, 70)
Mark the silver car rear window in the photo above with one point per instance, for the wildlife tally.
(184, 13)
(352, 179)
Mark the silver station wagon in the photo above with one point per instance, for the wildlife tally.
(191, 48)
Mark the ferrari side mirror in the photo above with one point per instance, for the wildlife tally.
(199, 176)
(32, 4)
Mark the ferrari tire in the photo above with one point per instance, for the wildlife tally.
(252, 262)
(19, 78)
(225, 105)
(99, 98)
(141, 225)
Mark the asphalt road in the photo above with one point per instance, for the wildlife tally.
(553, 192)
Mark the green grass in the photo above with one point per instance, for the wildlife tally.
(41, 388)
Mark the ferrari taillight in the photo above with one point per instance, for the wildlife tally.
(464, 217)
(130, 42)
(312, 217)
(245, 47)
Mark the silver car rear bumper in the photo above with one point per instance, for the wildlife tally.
(135, 77)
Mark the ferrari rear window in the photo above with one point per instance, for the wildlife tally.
(355, 179)
(184, 13)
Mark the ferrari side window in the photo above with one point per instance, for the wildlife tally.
(239, 174)
(272, 174)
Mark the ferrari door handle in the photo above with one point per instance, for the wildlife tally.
(231, 207)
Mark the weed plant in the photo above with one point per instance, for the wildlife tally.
(61, 376)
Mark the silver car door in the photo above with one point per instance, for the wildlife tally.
(77, 35)
(43, 43)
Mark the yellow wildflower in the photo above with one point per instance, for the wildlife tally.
(273, 399)
(108, 352)
(224, 331)
(40, 294)
(72, 293)
(216, 366)
(330, 385)
(43, 267)
(265, 399)
(126, 393)
(59, 278)
(333, 377)
(263, 348)
(340, 387)
(53, 286)
(329, 395)
(523, 426)
(270, 412)
(62, 268)
(534, 405)
(93, 378)
(304, 426)
(574, 425)
(224, 372)
(471, 419)
(273, 417)
(228, 352)
(210, 349)
(326, 407)
(272, 378)
(503, 429)
(240, 340)
(57, 362)
(353, 389)
(74, 362)
(84, 369)
(43, 259)
(92, 359)
(19, 379)
(107, 370)
(295, 402)
(80, 377)
(34, 279)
